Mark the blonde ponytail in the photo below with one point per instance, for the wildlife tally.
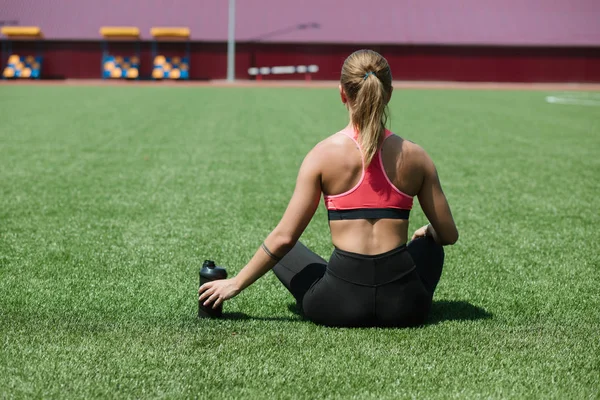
(367, 81)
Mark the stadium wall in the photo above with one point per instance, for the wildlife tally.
(470, 40)
(429, 22)
(82, 60)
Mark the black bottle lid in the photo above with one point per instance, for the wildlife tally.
(211, 271)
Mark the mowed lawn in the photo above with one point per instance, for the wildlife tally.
(111, 198)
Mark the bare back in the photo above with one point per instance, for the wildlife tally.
(342, 170)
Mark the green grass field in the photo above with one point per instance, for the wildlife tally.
(111, 198)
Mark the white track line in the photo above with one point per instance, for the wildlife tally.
(579, 99)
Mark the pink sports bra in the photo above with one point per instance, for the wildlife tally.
(374, 197)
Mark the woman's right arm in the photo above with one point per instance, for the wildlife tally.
(435, 206)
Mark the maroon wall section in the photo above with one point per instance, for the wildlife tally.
(82, 59)
(445, 63)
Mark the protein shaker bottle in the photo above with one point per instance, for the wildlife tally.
(210, 272)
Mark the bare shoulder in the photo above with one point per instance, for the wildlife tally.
(332, 146)
(411, 147)
(417, 155)
(325, 151)
(334, 142)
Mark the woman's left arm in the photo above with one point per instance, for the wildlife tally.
(300, 210)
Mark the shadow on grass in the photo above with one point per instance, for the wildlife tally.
(441, 310)
(238, 316)
(455, 310)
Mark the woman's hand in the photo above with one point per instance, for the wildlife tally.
(425, 231)
(218, 291)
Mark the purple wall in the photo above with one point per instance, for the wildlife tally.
(455, 22)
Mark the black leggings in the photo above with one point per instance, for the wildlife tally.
(390, 289)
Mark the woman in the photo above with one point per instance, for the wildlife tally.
(368, 177)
